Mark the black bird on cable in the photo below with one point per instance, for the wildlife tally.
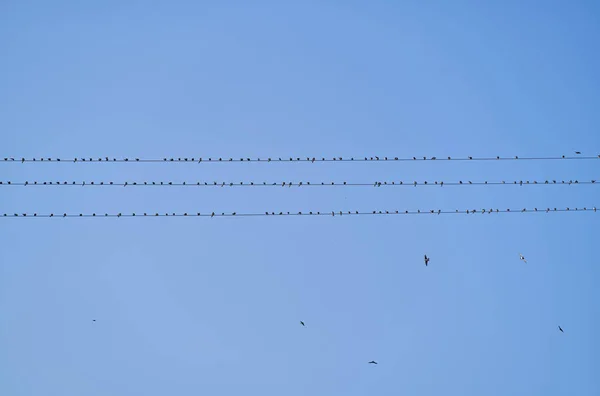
(426, 260)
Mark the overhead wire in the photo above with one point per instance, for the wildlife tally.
(286, 159)
(301, 213)
(297, 183)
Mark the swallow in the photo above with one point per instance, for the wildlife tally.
(302, 323)
(578, 152)
(522, 258)
(560, 328)
(426, 260)
(372, 362)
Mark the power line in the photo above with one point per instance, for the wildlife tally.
(279, 214)
(288, 159)
(297, 184)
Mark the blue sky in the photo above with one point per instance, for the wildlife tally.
(194, 306)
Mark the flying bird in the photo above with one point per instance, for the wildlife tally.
(560, 328)
(522, 258)
(372, 362)
(426, 260)
(578, 152)
(302, 323)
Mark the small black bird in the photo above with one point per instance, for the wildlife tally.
(560, 328)
(302, 323)
(93, 320)
(426, 260)
(578, 152)
(372, 362)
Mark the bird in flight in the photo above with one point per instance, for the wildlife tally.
(578, 152)
(560, 328)
(426, 260)
(302, 323)
(372, 362)
(522, 258)
(93, 320)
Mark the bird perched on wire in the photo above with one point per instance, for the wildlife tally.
(522, 258)
(560, 328)
(426, 260)
(372, 362)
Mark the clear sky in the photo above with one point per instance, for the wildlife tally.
(200, 306)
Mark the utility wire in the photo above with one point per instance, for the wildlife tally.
(332, 213)
(297, 184)
(290, 159)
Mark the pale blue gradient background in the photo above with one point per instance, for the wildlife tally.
(188, 306)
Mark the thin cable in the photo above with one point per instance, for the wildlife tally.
(332, 213)
(288, 159)
(297, 184)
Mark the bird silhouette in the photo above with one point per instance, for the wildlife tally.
(560, 328)
(426, 260)
(93, 320)
(372, 362)
(578, 152)
(302, 323)
(522, 258)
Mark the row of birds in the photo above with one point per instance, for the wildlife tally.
(289, 184)
(426, 259)
(332, 213)
(210, 159)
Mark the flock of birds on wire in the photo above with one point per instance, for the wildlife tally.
(299, 184)
(332, 213)
(291, 159)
